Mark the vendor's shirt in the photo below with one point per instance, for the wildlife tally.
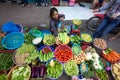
(115, 7)
(54, 24)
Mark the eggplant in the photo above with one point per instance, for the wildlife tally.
(33, 72)
(37, 72)
(42, 70)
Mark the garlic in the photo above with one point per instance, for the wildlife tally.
(51, 63)
(36, 41)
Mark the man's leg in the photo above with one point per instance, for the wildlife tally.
(101, 27)
(110, 27)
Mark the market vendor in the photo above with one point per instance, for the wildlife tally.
(56, 21)
(111, 20)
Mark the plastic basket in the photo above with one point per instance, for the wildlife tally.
(76, 22)
(61, 72)
(13, 40)
(9, 27)
(46, 47)
(80, 50)
(60, 47)
(46, 31)
(84, 42)
(36, 33)
(40, 48)
(20, 27)
(13, 59)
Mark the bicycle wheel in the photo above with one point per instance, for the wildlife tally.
(93, 23)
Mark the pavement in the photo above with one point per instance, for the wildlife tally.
(35, 16)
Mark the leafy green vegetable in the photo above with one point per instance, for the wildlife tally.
(49, 39)
(62, 36)
(54, 71)
(88, 74)
(3, 77)
(5, 61)
(76, 49)
(45, 57)
(28, 38)
(1, 47)
(32, 56)
(102, 74)
(86, 37)
(21, 73)
(25, 48)
(71, 68)
(75, 39)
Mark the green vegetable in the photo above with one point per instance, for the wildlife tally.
(108, 50)
(28, 38)
(62, 36)
(102, 74)
(3, 77)
(49, 39)
(32, 56)
(25, 48)
(86, 37)
(76, 49)
(1, 47)
(54, 71)
(21, 73)
(75, 39)
(88, 74)
(5, 61)
(71, 68)
(45, 57)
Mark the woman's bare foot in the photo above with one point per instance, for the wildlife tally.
(23, 5)
(28, 5)
(111, 39)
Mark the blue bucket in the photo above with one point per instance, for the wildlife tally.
(10, 27)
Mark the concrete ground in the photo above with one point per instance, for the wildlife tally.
(35, 16)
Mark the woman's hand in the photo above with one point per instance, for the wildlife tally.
(62, 26)
(96, 10)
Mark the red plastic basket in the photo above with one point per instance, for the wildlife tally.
(62, 47)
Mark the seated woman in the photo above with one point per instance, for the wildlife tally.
(111, 20)
(55, 21)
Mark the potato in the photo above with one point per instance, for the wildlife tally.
(116, 65)
(115, 68)
(118, 77)
(119, 64)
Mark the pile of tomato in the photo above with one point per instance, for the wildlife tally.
(63, 55)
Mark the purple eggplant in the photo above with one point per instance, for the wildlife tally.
(33, 72)
(42, 70)
(37, 72)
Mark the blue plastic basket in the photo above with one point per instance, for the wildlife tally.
(13, 40)
(20, 27)
(10, 27)
(46, 31)
(40, 48)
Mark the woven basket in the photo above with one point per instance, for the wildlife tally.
(10, 73)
